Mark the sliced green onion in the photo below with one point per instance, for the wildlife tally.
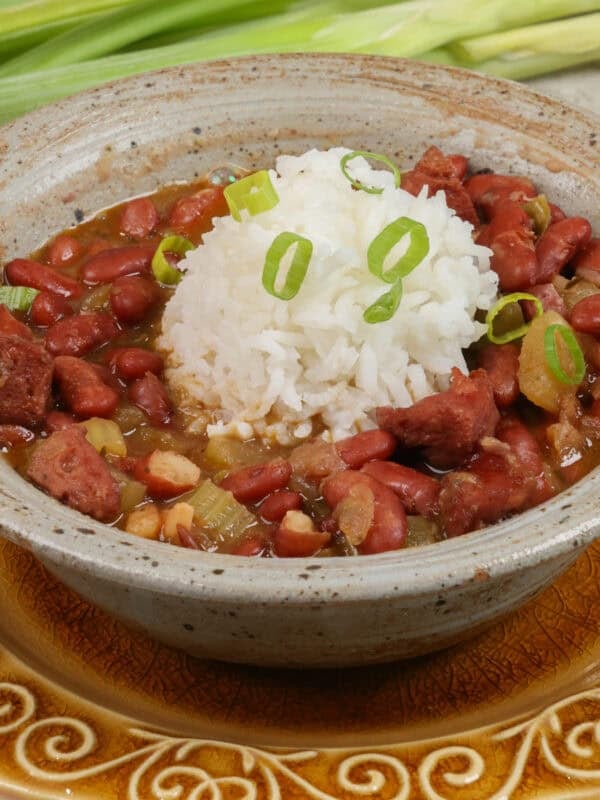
(374, 157)
(539, 211)
(163, 271)
(507, 300)
(17, 298)
(298, 267)
(389, 237)
(255, 193)
(572, 345)
(385, 306)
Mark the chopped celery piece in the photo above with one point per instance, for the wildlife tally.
(218, 513)
(105, 436)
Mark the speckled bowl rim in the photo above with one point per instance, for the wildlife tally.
(65, 537)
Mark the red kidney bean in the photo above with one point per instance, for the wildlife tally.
(488, 189)
(548, 296)
(587, 262)
(501, 362)
(585, 315)
(80, 334)
(297, 538)
(276, 505)
(82, 390)
(12, 435)
(190, 216)
(22, 272)
(130, 363)
(514, 261)
(47, 308)
(63, 250)
(460, 164)
(389, 528)
(556, 213)
(254, 546)
(108, 265)
(186, 539)
(10, 326)
(59, 420)
(131, 298)
(418, 493)
(524, 445)
(139, 218)
(508, 216)
(149, 394)
(362, 447)
(250, 484)
(558, 244)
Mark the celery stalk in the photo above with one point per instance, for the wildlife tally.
(575, 36)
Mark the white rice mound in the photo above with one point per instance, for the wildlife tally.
(271, 368)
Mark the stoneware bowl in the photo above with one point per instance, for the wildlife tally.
(128, 138)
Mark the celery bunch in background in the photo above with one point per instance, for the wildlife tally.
(52, 48)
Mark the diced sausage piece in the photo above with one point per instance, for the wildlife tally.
(447, 426)
(167, 473)
(488, 190)
(296, 536)
(67, 467)
(47, 308)
(556, 213)
(362, 447)
(529, 457)
(25, 381)
(514, 261)
(383, 528)
(82, 390)
(10, 326)
(253, 483)
(131, 298)
(80, 334)
(558, 244)
(509, 216)
(130, 363)
(549, 297)
(13, 435)
(438, 172)
(22, 272)
(63, 250)
(59, 421)
(418, 493)
(460, 164)
(191, 216)
(108, 265)
(585, 315)
(276, 505)
(149, 394)
(252, 546)
(139, 218)
(501, 362)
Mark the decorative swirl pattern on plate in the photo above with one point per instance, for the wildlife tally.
(163, 767)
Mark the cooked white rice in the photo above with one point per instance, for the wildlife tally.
(268, 367)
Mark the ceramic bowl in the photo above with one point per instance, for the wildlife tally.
(80, 155)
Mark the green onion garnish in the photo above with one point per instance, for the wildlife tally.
(163, 271)
(298, 267)
(255, 193)
(389, 237)
(17, 298)
(508, 300)
(572, 345)
(374, 157)
(385, 306)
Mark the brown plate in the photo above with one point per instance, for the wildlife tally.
(89, 709)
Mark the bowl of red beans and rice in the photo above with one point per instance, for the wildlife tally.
(353, 541)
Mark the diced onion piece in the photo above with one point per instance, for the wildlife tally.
(97, 299)
(297, 269)
(255, 193)
(385, 306)
(132, 493)
(373, 157)
(163, 271)
(354, 514)
(181, 514)
(145, 522)
(539, 211)
(105, 436)
(505, 301)
(384, 242)
(17, 298)
(218, 513)
(572, 345)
